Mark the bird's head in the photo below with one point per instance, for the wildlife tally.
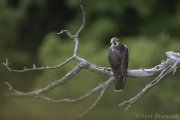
(115, 41)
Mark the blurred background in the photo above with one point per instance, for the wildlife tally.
(148, 27)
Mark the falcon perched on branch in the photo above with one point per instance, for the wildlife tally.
(118, 60)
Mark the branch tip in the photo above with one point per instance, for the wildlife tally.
(6, 63)
(83, 22)
(10, 88)
(92, 105)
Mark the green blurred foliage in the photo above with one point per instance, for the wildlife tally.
(149, 29)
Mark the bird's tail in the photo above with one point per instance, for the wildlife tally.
(120, 83)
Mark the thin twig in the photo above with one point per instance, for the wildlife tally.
(49, 87)
(86, 95)
(146, 89)
(83, 22)
(68, 33)
(76, 39)
(93, 104)
(34, 68)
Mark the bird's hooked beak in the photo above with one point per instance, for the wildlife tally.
(111, 42)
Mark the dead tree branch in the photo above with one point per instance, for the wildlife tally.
(170, 65)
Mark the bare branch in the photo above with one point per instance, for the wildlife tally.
(83, 23)
(172, 63)
(51, 86)
(88, 94)
(34, 68)
(76, 39)
(130, 102)
(11, 89)
(105, 86)
(131, 73)
(68, 33)
(92, 105)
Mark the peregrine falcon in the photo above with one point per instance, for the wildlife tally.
(118, 60)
